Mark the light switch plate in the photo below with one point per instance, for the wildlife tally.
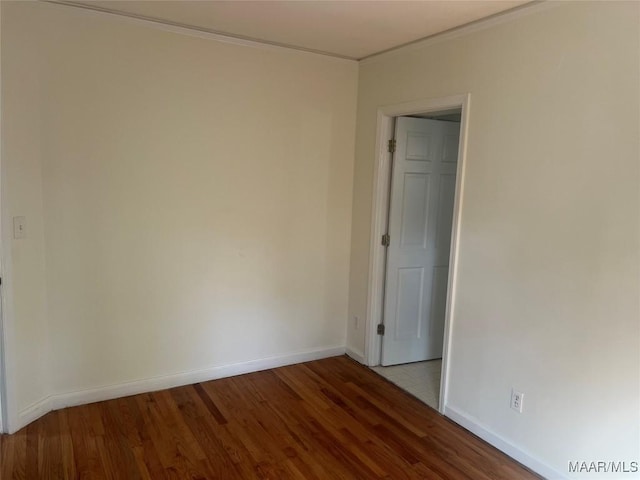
(19, 227)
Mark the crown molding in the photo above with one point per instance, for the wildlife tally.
(223, 37)
(469, 28)
(193, 31)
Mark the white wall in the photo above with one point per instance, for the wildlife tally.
(189, 205)
(188, 201)
(23, 262)
(548, 289)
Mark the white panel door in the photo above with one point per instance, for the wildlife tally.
(420, 221)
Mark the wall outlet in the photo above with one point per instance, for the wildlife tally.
(19, 227)
(517, 399)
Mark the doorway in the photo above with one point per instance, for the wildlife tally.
(417, 200)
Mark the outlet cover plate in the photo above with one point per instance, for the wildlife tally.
(19, 227)
(517, 400)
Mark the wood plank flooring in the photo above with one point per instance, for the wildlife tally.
(327, 419)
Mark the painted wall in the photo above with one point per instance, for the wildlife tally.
(188, 201)
(23, 262)
(549, 261)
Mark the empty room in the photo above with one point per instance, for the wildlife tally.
(320, 239)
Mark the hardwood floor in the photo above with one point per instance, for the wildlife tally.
(327, 419)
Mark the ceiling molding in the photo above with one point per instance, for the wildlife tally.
(194, 31)
(199, 32)
(475, 26)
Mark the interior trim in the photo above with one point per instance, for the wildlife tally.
(192, 30)
(152, 384)
(466, 29)
(525, 458)
(225, 37)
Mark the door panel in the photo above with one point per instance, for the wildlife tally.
(450, 147)
(415, 205)
(438, 309)
(420, 220)
(410, 299)
(446, 197)
(419, 146)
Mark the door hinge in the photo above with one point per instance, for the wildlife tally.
(391, 146)
(386, 239)
(381, 329)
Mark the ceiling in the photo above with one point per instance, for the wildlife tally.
(346, 28)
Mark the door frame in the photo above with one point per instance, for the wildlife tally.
(379, 223)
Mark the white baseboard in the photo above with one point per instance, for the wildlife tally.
(356, 355)
(503, 445)
(108, 392)
(32, 413)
